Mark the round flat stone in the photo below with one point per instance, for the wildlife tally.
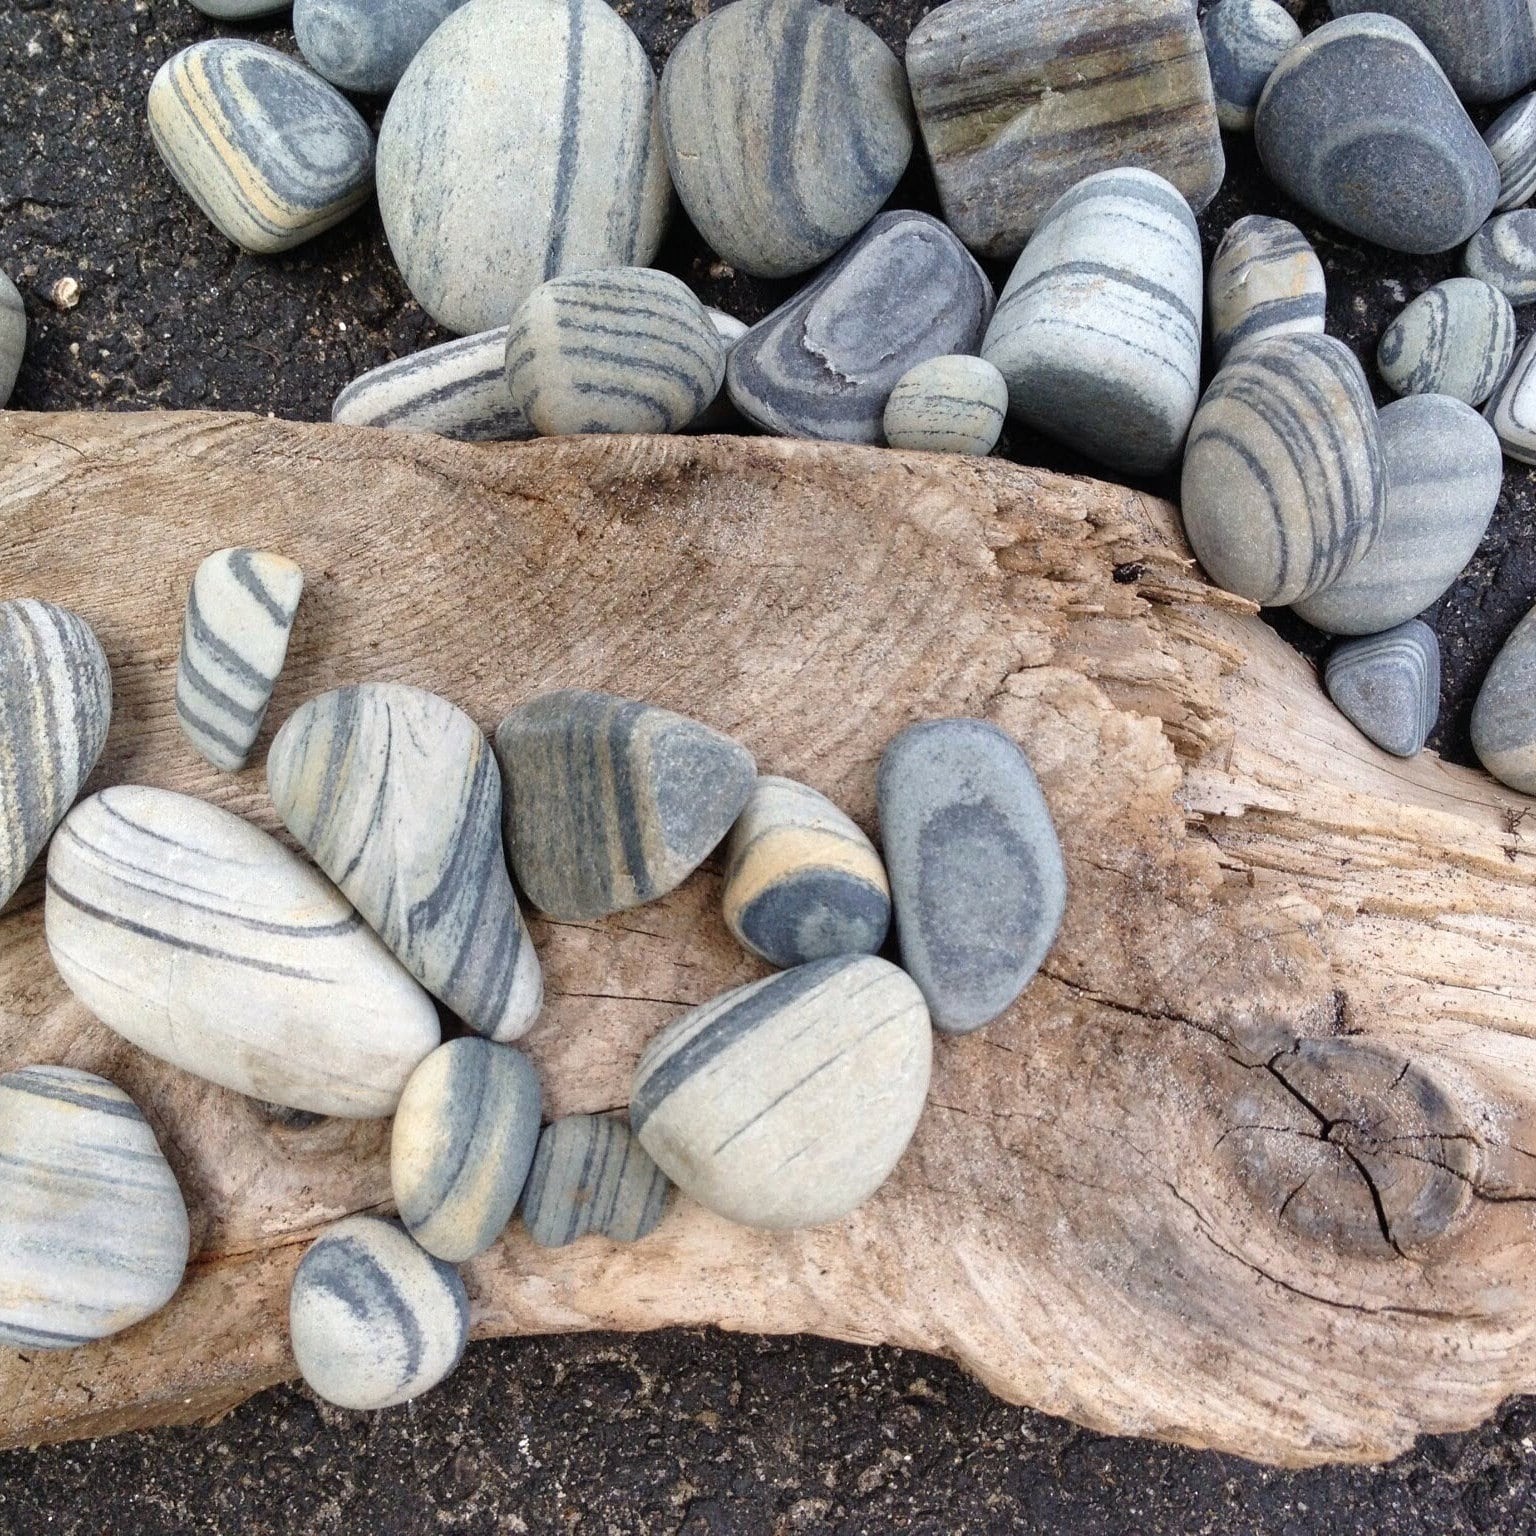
(1265, 280)
(1504, 717)
(1512, 410)
(1244, 41)
(1487, 48)
(13, 336)
(1503, 254)
(1457, 338)
(591, 1175)
(950, 404)
(240, 10)
(1511, 139)
(365, 45)
(1388, 685)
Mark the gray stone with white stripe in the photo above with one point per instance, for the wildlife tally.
(1511, 139)
(13, 336)
(591, 1175)
(1265, 280)
(952, 404)
(1457, 339)
(1244, 41)
(1503, 254)
(1388, 685)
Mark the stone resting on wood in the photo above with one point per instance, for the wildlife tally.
(1251, 1165)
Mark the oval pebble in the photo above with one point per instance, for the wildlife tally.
(949, 404)
(1244, 41)
(1265, 280)
(1388, 686)
(365, 45)
(240, 10)
(13, 336)
(374, 1319)
(1503, 254)
(1512, 410)
(1504, 717)
(592, 1175)
(1511, 139)
(1457, 338)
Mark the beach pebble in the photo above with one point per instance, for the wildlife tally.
(234, 637)
(1244, 41)
(786, 1103)
(394, 793)
(787, 125)
(1512, 410)
(202, 940)
(1388, 685)
(720, 415)
(1457, 338)
(55, 706)
(1443, 474)
(93, 1229)
(592, 1175)
(953, 404)
(802, 882)
(1265, 280)
(1098, 329)
(364, 45)
(623, 349)
(463, 1139)
(611, 803)
(268, 150)
(976, 871)
(1511, 139)
(13, 336)
(1503, 254)
(1019, 100)
(825, 362)
(374, 1319)
(1283, 483)
(1504, 717)
(522, 142)
(240, 10)
(1360, 126)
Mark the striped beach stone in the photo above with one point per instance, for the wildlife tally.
(1244, 41)
(13, 336)
(1512, 410)
(1457, 338)
(93, 1229)
(1283, 484)
(1511, 139)
(234, 638)
(1098, 329)
(461, 1145)
(1359, 125)
(1265, 280)
(373, 1318)
(720, 415)
(1504, 717)
(1019, 100)
(55, 706)
(953, 404)
(270, 152)
(977, 877)
(522, 142)
(786, 1103)
(771, 193)
(802, 882)
(611, 803)
(591, 1175)
(1503, 254)
(1444, 471)
(623, 349)
(1388, 686)
(395, 794)
(365, 45)
(824, 363)
(202, 940)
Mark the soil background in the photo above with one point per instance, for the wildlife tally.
(685, 1432)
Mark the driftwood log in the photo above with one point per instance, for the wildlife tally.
(1253, 1163)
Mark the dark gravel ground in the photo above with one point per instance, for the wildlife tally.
(675, 1432)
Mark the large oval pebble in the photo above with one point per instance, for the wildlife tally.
(1456, 339)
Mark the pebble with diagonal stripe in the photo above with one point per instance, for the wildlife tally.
(589, 1175)
(1457, 338)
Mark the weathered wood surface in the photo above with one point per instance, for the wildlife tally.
(1253, 1163)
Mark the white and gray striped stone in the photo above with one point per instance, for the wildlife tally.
(1503, 254)
(395, 794)
(1388, 686)
(522, 142)
(591, 1175)
(1511, 139)
(55, 706)
(1265, 280)
(977, 878)
(1444, 471)
(1098, 329)
(364, 46)
(824, 363)
(462, 1143)
(1244, 41)
(234, 639)
(953, 404)
(1359, 125)
(1457, 338)
(786, 1103)
(621, 349)
(202, 940)
(720, 415)
(1504, 717)
(1512, 410)
(13, 336)
(1283, 486)
(269, 151)
(373, 1318)
(93, 1228)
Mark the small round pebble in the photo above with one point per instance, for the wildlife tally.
(374, 1319)
(1244, 41)
(1504, 717)
(1503, 254)
(1265, 280)
(240, 10)
(953, 404)
(1388, 686)
(1457, 339)
(365, 45)
(13, 336)
(592, 1175)
(1511, 139)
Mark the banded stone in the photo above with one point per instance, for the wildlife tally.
(365, 45)
(1098, 329)
(612, 803)
(462, 1143)
(1511, 139)
(952, 404)
(786, 1103)
(824, 363)
(1457, 338)
(1444, 471)
(395, 794)
(720, 415)
(1265, 280)
(1504, 717)
(93, 1228)
(234, 639)
(977, 877)
(624, 349)
(240, 10)
(1503, 254)
(1019, 100)
(1512, 410)
(1244, 41)
(592, 1175)
(1283, 483)
(374, 1319)
(55, 706)
(202, 940)
(1388, 686)
(270, 152)
(522, 142)
(13, 336)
